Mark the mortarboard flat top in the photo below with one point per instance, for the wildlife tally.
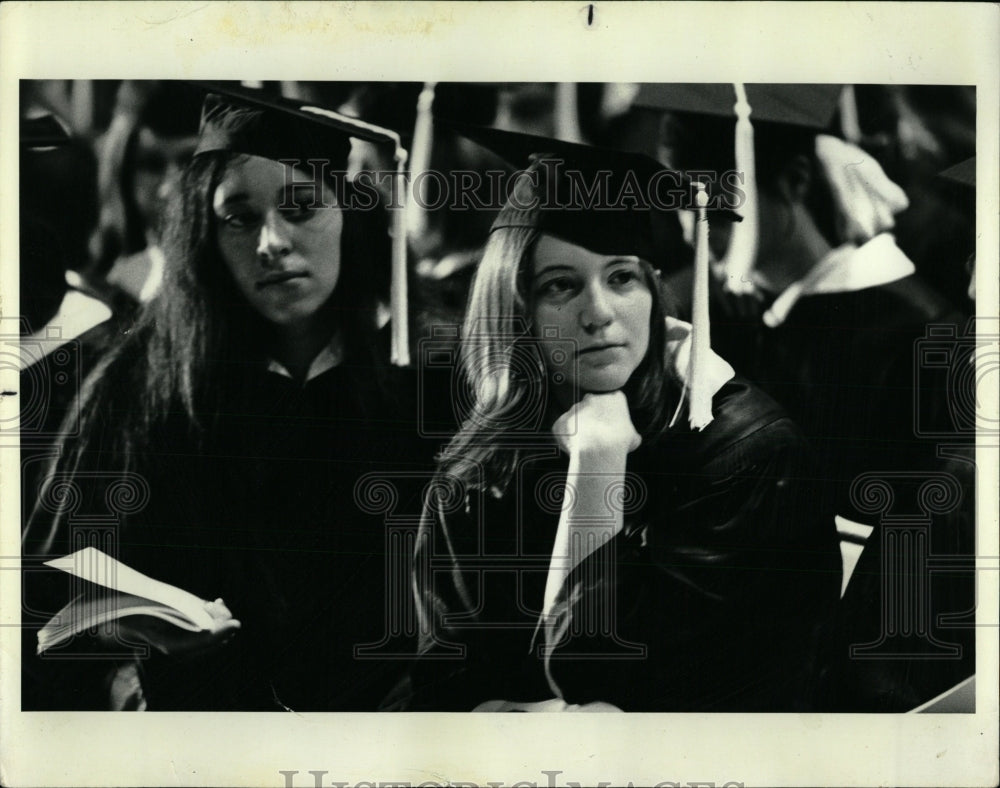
(957, 184)
(244, 120)
(962, 174)
(799, 105)
(518, 149)
(44, 131)
(608, 201)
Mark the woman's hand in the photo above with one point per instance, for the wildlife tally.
(598, 423)
(175, 641)
(597, 434)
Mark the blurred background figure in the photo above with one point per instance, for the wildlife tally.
(442, 238)
(57, 213)
(152, 134)
(915, 132)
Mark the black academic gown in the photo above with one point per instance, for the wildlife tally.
(47, 393)
(845, 367)
(281, 509)
(875, 395)
(716, 592)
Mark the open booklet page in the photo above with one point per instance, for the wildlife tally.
(129, 593)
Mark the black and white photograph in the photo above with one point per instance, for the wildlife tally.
(375, 371)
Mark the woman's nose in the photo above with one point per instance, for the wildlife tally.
(596, 311)
(273, 243)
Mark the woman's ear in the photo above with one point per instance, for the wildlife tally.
(795, 179)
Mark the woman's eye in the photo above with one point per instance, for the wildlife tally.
(297, 213)
(556, 287)
(241, 220)
(623, 277)
(299, 205)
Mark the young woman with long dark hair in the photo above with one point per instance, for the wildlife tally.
(239, 415)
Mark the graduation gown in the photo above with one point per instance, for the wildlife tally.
(274, 512)
(713, 597)
(844, 366)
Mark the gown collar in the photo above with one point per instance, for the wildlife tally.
(679, 350)
(846, 269)
(329, 357)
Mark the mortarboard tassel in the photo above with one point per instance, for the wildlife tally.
(850, 127)
(292, 89)
(699, 390)
(82, 105)
(400, 350)
(420, 159)
(739, 261)
(566, 114)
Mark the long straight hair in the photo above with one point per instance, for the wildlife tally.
(504, 369)
(196, 340)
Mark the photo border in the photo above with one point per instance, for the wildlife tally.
(933, 43)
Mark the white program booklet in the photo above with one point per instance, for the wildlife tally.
(129, 593)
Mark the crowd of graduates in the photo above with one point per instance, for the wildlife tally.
(261, 365)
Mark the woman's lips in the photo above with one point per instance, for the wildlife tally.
(596, 349)
(280, 278)
(600, 355)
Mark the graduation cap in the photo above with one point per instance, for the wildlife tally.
(791, 105)
(44, 131)
(962, 174)
(610, 202)
(247, 121)
(800, 109)
(958, 185)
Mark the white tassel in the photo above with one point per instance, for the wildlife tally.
(739, 261)
(566, 114)
(400, 350)
(420, 159)
(850, 126)
(699, 387)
